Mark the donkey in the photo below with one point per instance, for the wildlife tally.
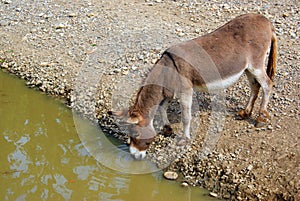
(207, 63)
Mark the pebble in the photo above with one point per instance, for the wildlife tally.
(171, 175)
(7, 1)
(285, 15)
(72, 14)
(184, 184)
(4, 23)
(212, 194)
(270, 127)
(60, 25)
(250, 167)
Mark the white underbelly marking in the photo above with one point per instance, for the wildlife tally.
(220, 84)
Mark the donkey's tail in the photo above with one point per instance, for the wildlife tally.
(271, 68)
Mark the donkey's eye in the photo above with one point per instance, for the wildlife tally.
(148, 143)
(133, 115)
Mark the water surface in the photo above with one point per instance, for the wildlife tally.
(42, 157)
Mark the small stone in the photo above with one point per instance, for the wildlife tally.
(171, 175)
(72, 14)
(235, 181)
(250, 167)
(184, 184)
(226, 6)
(91, 15)
(44, 63)
(292, 34)
(153, 61)
(134, 67)
(60, 26)
(4, 23)
(33, 30)
(7, 1)
(285, 15)
(117, 70)
(212, 194)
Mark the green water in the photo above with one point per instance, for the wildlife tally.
(42, 157)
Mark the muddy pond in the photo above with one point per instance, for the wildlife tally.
(43, 158)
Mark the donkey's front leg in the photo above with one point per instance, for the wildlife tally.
(186, 100)
(166, 128)
(163, 111)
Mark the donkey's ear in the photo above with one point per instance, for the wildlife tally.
(131, 120)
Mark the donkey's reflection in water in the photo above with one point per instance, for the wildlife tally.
(211, 62)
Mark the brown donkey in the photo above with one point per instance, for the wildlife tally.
(211, 62)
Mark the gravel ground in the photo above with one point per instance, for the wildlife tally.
(91, 52)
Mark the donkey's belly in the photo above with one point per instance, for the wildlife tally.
(219, 84)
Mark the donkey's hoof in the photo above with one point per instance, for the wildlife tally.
(260, 122)
(242, 115)
(167, 130)
(262, 119)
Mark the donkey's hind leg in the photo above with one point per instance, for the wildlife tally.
(254, 86)
(266, 85)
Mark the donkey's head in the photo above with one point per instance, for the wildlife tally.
(141, 131)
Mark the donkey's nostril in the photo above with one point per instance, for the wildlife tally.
(137, 154)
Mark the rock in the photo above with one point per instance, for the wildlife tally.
(60, 26)
(117, 70)
(91, 14)
(184, 184)
(4, 23)
(44, 64)
(285, 15)
(250, 167)
(7, 1)
(171, 175)
(212, 194)
(72, 14)
(134, 68)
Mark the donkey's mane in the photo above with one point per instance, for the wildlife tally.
(147, 97)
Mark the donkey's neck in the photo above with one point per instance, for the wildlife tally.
(148, 98)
